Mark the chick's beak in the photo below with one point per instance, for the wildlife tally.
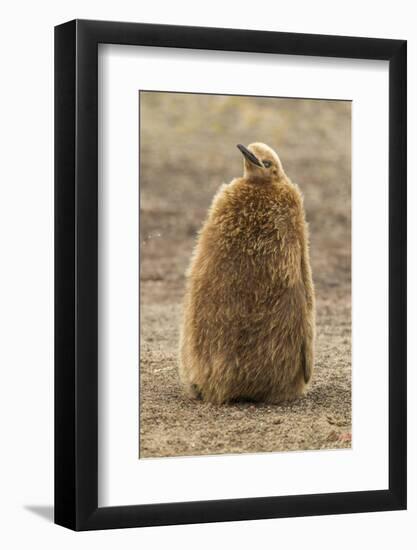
(250, 156)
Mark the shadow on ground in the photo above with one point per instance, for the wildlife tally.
(45, 512)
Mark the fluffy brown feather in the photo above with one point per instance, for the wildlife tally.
(249, 309)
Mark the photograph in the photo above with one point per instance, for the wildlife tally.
(209, 259)
(245, 274)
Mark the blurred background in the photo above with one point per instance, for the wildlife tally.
(187, 149)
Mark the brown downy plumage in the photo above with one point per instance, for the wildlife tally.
(249, 309)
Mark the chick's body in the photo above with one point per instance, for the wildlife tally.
(248, 325)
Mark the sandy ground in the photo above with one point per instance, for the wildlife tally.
(188, 148)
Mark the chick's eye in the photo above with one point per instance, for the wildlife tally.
(266, 163)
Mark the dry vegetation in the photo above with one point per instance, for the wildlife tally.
(188, 148)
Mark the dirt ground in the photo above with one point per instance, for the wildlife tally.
(188, 148)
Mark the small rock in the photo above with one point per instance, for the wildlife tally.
(333, 436)
(277, 421)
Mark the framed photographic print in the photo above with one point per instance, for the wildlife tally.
(230, 255)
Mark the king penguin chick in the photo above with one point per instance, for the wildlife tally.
(249, 310)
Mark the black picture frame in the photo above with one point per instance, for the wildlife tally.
(76, 272)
